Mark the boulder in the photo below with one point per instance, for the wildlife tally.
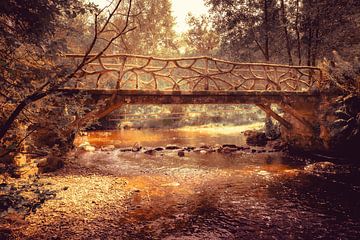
(86, 146)
(256, 139)
(50, 164)
(89, 148)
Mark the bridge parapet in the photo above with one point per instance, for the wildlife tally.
(137, 72)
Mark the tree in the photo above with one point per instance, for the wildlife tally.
(321, 35)
(154, 33)
(28, 49)
(286, 32)
(274, 27)
(32, 69)
(201, 38)
(247, 28)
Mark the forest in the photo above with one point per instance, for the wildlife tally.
(183, 135)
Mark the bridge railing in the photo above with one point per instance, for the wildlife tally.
(137, 72)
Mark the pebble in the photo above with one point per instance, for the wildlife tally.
(181, 153)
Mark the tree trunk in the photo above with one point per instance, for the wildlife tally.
(310, 33)
(309, 46)
(317, 37)
(285, 22)
(266, 23)
(315, 51)
(15, 113)
(94, 115)
(298, 33)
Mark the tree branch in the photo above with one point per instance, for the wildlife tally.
(52, 83)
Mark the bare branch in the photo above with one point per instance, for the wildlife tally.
(123, 31)
(57, 81)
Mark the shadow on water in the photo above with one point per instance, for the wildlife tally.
(335, 194)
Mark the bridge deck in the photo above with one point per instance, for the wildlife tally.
(190, 97)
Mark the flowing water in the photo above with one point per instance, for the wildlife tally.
(211, 195)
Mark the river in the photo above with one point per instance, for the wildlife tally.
(201, 195)
(241, 195)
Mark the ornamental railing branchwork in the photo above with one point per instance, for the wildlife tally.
(137, 72)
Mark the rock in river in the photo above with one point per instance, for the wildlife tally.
(172, 147)
(159, 149)
(228, 149)
(326, 167)
(256, 139)
(181, 153)
(108, 148)
(137, 147)
(205, 146)
(229, 146)
(150, 152)
(87, 147)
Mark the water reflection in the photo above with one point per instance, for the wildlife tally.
(189, 136)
